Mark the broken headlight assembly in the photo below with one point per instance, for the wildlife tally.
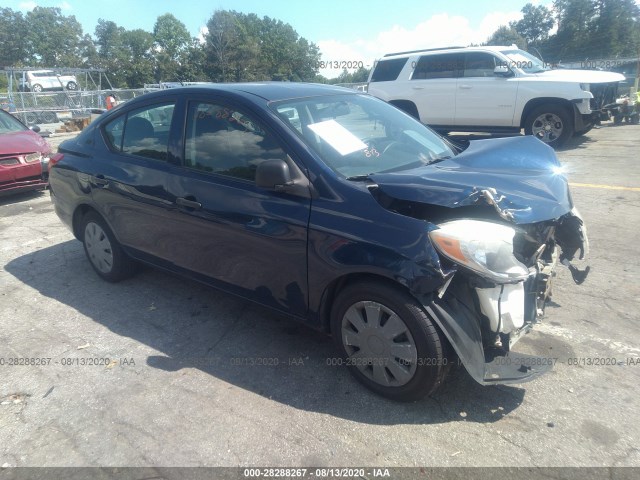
(485, 248)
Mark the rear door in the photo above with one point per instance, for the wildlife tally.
(128, 181)
(247, 240)
(433, 85)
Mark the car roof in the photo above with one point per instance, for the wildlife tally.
(269, 91)
(484, 48)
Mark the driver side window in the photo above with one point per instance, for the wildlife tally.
(226, 141)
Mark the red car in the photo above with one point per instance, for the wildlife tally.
(23, 157)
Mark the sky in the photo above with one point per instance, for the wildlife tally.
(345, 30)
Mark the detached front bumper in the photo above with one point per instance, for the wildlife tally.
(458, 317)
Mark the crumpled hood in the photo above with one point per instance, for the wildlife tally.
(520, 174)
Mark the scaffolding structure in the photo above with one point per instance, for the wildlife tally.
(52, 106)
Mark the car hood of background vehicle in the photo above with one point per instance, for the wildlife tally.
(581, 76)
(26, 141)
(524, 172)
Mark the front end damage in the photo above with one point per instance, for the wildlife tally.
(500, 228)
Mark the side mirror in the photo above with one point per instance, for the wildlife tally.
(502, 71)
(273, 175)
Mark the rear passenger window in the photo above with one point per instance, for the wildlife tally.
(388, 70)
(143, 132)
(438, 66)
(226, 141)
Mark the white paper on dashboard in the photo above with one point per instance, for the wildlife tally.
(338, 137)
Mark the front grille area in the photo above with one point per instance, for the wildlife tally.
(603, 94)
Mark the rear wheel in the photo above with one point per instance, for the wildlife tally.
(36, 88)
(103, 250)
(388, 341)
(550, 123)
(72, 86)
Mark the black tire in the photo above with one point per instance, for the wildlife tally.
(72, 86)
(30, 118)
(550, 123)
(103, 250)
(36, 88)
(49, 117)
(418, 336)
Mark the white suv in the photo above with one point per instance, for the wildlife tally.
(39, 80)
(493, 89)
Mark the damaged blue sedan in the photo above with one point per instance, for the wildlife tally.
(337, 209)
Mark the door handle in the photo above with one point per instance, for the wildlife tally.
(465, 87)
(188, 204)
(100, 180)
(418, 88)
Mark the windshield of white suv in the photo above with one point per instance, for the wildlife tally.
(524, 61)
(357, 135)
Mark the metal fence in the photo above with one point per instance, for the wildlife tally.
(51, 107)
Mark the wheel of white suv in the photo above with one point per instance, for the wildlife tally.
(36, 88)
(550, 123)
(388, 341)
(103, 250)
(72, 86)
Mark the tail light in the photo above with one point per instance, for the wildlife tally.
(54, 159)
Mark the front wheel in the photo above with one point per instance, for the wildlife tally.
(72, 86)
(550, 123)
(103, 250)
(388, 341)
(36, 88)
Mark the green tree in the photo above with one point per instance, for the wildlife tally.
(506, 36)
(138, 68)
(615, 30)
(192, 65)
(572, 41)
(241, 47)
(12, 26)
(172, 40)
(112, 53)
(53, 40)
(536, 22)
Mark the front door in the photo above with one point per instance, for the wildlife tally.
(484, 99)
(247, 240)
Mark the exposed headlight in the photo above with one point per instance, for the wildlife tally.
(484, 247)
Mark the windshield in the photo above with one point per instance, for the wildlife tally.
(356, 135)
(8, 124)
(525, 61)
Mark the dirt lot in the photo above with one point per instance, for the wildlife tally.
(146, 372)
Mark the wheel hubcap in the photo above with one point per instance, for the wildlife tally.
(379, 344)
(547, 127)
(98, 247)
